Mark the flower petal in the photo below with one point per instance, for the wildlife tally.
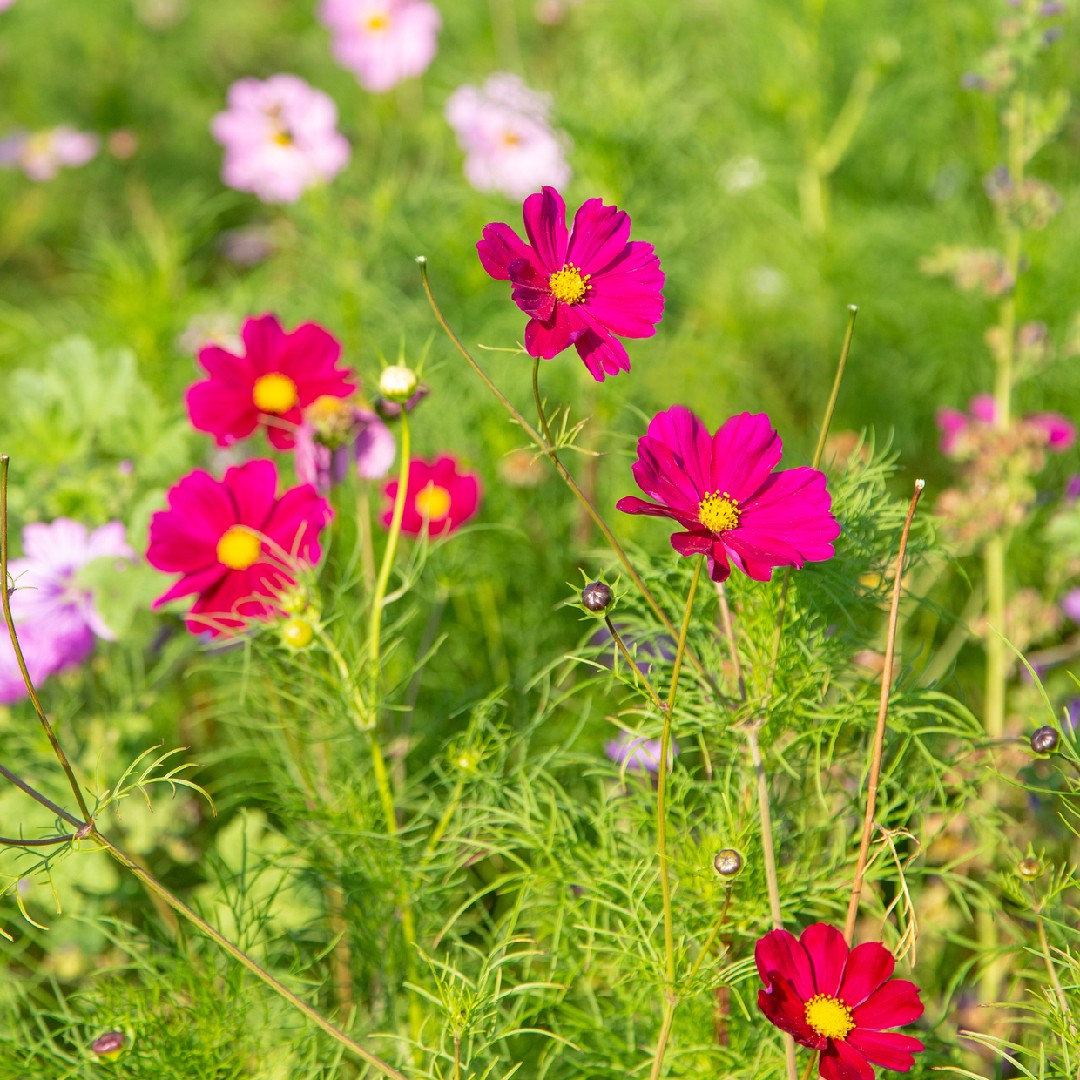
(548, 339)
(780, 951)
(746, 449)
(500, 247)
(532, 291)
(599, 234)
(688, 438)
(692, 543)
(220, 410)
(841, 1061)
(868, 966)
(601, 353)
(895, 1003)
(783, 1007)
(545, 225)
(251, 488)
(886, 1048)
(828, 952)
(627, 297)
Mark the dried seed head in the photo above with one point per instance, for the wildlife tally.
(727, 863)
(1044, 740)
(596, 596)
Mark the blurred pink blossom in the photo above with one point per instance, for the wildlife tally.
(280, 138)
(5, 4)
(509, 145)
(42, 154)
(382, 41)
(957, 428)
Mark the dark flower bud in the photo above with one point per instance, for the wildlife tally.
(1029, 868)
(1044, 740)
(596, 596)
(110, 1045)
(727, 863)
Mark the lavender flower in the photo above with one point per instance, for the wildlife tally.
(42, 154)
(635, 752)
(334, 434)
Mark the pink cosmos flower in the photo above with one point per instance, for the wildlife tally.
(838, 1000)
(722, 490)
(55, 616)
(382, 41)
(438, 500)
(42, 154)
(337, 434)
(509, 144)
(280, 138)
(578, 288)
(957, 428)
(235, 543)
(278, 375)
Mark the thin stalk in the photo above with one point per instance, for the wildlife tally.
(48, 841)
(159, 890)
(5, 599)
(1051, 971)
(883, 711)
(653, 695)
(45, 801)
(810, 1066)
(546, 446)
(661, 831)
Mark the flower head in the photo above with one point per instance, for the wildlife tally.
(336, 434)
(55, 615)
(438, 498)
(838, 1000)
(722, 490)
(580, 287)
(382, 41)
(235, 543)
(280, 138)
(508, 141)
(278, 375)
(42, 154)
(635, 752)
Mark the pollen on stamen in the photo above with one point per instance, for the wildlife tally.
(719, 511)
(569, 285)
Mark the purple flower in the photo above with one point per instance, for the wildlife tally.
(509, 145)
(636, 752)
(336, 433)
(1070, 604)
(1060, 431)
(382, 41)
(280, 138)
(41, 154)
(55, 616)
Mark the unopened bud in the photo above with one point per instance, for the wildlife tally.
(1029, 868)
(727, 863)
(110, 1045)
(596, 596)
(1044, 740)
(297, 632)
(398, 383)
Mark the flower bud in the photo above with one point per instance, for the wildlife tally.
(297, 632)
(727, 863)
(1044, 740)
(398, 383)
(110, 1045)
(1029, 868)
(596, 596)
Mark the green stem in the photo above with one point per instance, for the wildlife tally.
(546, 446)
(159, 890)
(654, 697)
(5, 600)
(661, 829)
(810, 1066)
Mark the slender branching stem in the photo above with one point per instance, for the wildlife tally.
(727, 625)
(45, 801)
(661, 829)
(5, 599)
(47, 841)
(654, 697)
(548, 448)
(883, 712)
(830, 407)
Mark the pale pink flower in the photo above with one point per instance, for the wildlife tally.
(280, 138)
(42, 154)
(5, 4)
(382, 41)
(509, 144)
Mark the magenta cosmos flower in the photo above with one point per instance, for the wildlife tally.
(280, 138)
(235, 543)
(838, 1000)
(382, 41)
(42, 154)
(438, 498)
(336, 436)
(723, 491)
(55, 615)
(509, 144)
(269, 384)
(581, 287)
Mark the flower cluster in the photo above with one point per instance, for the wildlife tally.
(54, 613)
(42, 154)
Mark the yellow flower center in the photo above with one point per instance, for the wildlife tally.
(378, 22)
(274, 393)
(432, 502)
(283, 138)
(239, 548)
(718, 511)
(569, 284)
(829, 1016)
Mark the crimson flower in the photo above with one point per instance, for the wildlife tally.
(579, 288)
(838, 1000)
(722, 489)
(438, 498)
(276, 377)
(235, 543)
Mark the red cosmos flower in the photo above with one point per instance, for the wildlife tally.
(438, 498)
(722, 490)
(838, 1000)
(279, 374)
(235, 543)
(579, 288)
